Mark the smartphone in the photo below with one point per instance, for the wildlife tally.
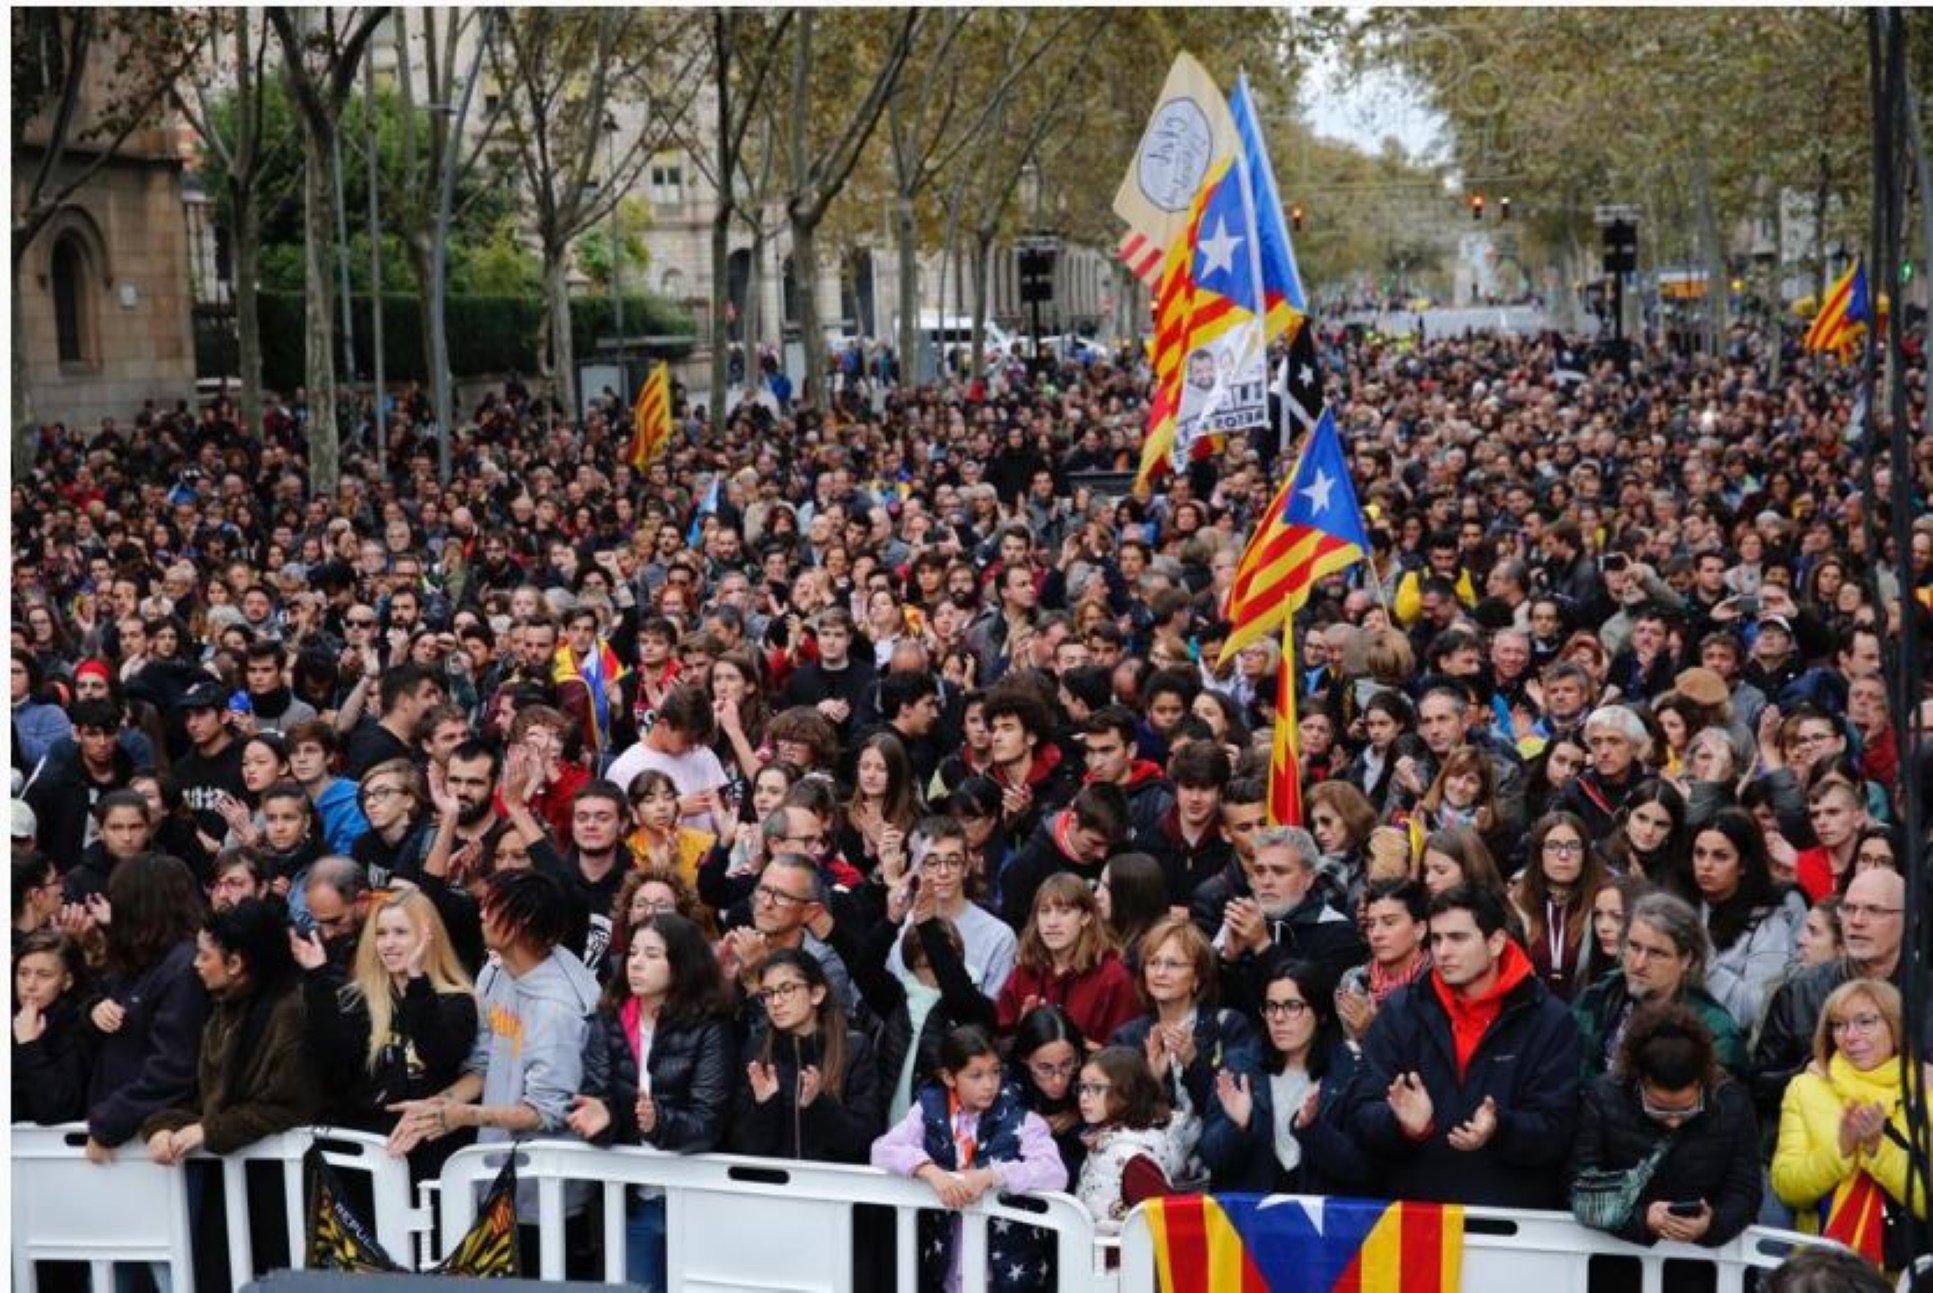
(1685, 1209)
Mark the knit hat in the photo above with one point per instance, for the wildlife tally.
(95, 667)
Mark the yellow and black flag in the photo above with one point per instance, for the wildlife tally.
(488, 1250)
(338, 1240)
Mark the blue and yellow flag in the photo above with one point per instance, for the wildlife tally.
(1281, 281)
(1847, 307)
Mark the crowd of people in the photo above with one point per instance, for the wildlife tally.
(860, 783)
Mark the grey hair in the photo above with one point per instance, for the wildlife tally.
(345, 875)
(1620, 720)
(1290, 837)
(1673, 917)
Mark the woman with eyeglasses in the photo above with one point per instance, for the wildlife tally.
(659, 1060)
(1666, 1088)
(1554, 896)
(1046, 1053)
(1311, 1067)
(811, 1089)
(1208, 1061)
(1841, 1159)
(401, 1028)
(392, 798)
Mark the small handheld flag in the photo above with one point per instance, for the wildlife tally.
(651, 419)
(1849, 303)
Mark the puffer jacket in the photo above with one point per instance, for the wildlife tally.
(1808, 1171)
(1713, 1156)
(1597, 1013)
(691, 1066)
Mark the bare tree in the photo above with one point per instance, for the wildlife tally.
(235, 139)
(819, 174)
(60, 59)
(564, 74)
(322, 50)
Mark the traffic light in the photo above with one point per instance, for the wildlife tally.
(1503, 208)
(1476, 206)
(1906, 271)
(1295, 217)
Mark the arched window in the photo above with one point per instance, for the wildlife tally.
(70, 299)
(672, 284)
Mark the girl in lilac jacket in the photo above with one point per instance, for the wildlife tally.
(966, 1135)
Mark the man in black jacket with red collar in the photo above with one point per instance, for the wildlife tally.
(1469, 1088)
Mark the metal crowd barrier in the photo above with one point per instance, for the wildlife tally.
(1505, 1248)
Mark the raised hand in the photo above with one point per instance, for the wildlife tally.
(1410, 1101)
(764, 1081)
(1237, 1101)
(1475, 1132)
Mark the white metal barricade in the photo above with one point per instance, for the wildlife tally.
(1505, 1248)
(66, 1209)
(752, 1223)
(131, 1210)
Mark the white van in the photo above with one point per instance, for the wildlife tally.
(940, 334)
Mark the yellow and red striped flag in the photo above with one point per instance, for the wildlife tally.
(651, 419)
(1244, 1243)
(1847, 305)
(1285, 767)
(1173, 307)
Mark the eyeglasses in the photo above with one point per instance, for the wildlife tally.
(1807, 739)
(778, 897)
(814, 841)
(361, 624)
(1881, 858)
(1094, 1088)
(1168, 963)
(1662, 1113)
(779, 992)
(380, 792)
(1646, 952)
(1284, 1009)
(1865, 911)
(945, 862)
(1868, 1024)
(1564, 848)
(1052, 1072)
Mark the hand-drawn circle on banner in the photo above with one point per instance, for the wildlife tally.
(1175, 154)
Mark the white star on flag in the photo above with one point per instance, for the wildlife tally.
(1219, 250)
(1318, 492)
(1306, 375)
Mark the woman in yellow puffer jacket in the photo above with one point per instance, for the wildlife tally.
(1842, 1129)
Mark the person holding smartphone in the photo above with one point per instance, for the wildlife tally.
(1667, 1088)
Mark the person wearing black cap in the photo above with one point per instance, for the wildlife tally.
(212, 767)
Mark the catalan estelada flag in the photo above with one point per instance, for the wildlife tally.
(1312, 529)
(1173, 304)
(651, 419)
(1281, 280)
(1244, 1243)
(1847, 306)
(1285, 771)
(1855, 1215)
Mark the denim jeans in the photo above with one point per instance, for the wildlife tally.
(644, 1244)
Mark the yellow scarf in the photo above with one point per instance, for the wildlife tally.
(1880, 1086)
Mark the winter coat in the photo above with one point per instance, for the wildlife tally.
(1043, 855)
(1208, 905)
(277, 1088)
(1312, 930)
(1808, 1171)
(1526, 1060)
(341, 815)
(1742, 975)
(148, 1063)
(1237, 1158)
(1713, 1157)
(1186, 865)
(1104, 1172)
(62, 796)
(36, 726)
(691, 1066)
(838, 1127)
(1331, 1163)
(50, 1072)
(1597, 1013)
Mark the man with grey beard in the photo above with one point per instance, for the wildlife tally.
(1284, 917)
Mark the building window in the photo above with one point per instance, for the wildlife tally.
(672, 284)
(667, 183)
(70, 300)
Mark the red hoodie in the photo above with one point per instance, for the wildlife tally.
(1139, 772)
(1471, 1017)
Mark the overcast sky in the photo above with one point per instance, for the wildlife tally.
(1366, 110)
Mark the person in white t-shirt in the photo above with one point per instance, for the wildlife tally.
(679, 745)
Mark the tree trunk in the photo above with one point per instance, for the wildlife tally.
(318, 209)
(1717, 281)
(248, 304)
(1820, 197)
(909, 280)
(721, 299)
(805, 272)
(755, 322)
(982, 256)
(562, 349)
(23, 394)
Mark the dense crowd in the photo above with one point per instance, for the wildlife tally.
(860, 783)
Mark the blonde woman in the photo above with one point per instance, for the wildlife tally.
(1841, 1155)
(402, 1026)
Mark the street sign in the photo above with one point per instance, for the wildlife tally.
(1615, 215)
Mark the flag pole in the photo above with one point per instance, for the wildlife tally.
(1285, 771)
